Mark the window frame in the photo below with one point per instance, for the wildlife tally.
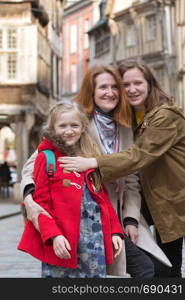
(151, 27)
(6, 53)
(102, 41)
(73, 38)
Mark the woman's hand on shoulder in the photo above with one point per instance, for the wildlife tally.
(33, 210)
(78, 163)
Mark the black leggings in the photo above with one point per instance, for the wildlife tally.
(173, 251)
(141, 264)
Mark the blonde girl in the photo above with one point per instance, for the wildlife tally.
(82, 233)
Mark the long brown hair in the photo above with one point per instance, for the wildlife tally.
(122, 113)
(156, 96)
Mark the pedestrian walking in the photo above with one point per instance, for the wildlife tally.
(5, 177)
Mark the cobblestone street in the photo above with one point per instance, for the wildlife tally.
(14, 263)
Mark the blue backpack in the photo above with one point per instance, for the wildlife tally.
(50, 162)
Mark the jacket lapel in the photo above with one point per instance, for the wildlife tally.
(93, 131)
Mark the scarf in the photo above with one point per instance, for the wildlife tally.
(108, 131)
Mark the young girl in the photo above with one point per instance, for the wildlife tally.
(83, 233)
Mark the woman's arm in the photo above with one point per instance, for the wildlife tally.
(47, 225)
(78, 163)
(131, 206)
(155, 139)
(27, 172)
(27, 187)
(33, 210)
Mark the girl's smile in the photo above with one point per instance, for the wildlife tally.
(69, 127)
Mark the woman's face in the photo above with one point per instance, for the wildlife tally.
(136, 88)
(106, 94)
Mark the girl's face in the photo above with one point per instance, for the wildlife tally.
(136, 88)
(69, 127)
(106, 94)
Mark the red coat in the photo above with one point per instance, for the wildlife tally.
(64, 203)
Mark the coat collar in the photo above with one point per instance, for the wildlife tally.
(150, 114)
(49, 145)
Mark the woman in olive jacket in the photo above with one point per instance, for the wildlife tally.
(158, 154)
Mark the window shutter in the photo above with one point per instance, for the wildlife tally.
(27, 54)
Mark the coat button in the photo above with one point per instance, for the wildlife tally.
(66, 171)
(66, 182)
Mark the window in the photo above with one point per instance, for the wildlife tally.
(73, 38)
(12, 38)
(8, 53)
(86, 38)
(73, 78)
(55, 75)
(12, 65)
(102, 42)
(131, 38)
(18, 54)
(151, 28)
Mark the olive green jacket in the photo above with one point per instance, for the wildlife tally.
(159, 156)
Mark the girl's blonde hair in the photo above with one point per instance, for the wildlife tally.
(87, 146)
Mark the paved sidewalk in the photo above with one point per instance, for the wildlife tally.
(15, 263)
(8, 208)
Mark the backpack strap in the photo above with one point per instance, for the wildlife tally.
(50, 162)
